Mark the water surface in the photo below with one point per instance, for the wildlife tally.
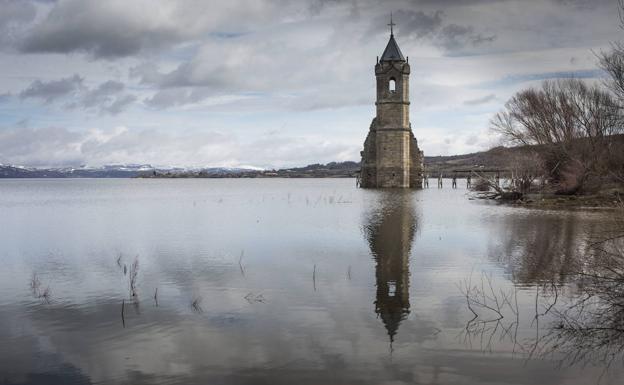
(274, 281)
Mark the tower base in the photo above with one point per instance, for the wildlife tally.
(391, 159)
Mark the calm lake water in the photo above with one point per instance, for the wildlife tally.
(273, 281)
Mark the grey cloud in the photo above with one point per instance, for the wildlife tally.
(109, 97)
(15, 12)
(455, 37)
(419, 25)
(114, 28)
(410, 23)
(119, 104)
(483, 100)
(173, 97)
(147, 73)
(14, 15)
(102, 93)
(584, 4)
(454, 3)
(479, 39)
(185, 76)
(52, 90)
(104, 29)
(317, 6)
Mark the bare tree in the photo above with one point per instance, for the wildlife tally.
(572, 124)
(612, 62)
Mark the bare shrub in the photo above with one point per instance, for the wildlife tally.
(481, 184)
(490, 188)
(526, 167)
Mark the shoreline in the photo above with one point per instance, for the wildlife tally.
(569, 202)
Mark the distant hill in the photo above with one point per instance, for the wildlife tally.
(330, 170)
(111, 171)
(497, 157)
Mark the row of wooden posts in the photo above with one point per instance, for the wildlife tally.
(454, 179)
(427, 176)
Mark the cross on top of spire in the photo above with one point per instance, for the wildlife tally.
(391, 25)
(392, 51)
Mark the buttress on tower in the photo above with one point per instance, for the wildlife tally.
(391, 157)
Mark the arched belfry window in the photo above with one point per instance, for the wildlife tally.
(392, 85)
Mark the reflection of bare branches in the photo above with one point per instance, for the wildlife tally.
(134, 272)
(35, 283)
(591, 327)
(488, 308)
(46, 295)
(35, 286)
(196, 305)
(240, 263)
(123, 308)
(252, 298)
(584, 323)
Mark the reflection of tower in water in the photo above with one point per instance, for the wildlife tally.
(390, 231)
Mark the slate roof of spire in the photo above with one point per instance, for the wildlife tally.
(392, 51)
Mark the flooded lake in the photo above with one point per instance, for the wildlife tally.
(274, 281)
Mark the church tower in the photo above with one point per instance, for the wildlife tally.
(391, 157)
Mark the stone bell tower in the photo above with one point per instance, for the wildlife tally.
(391, 157)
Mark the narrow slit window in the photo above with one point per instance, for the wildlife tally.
(392, 85)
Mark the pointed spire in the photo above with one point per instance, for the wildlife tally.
(392, 51)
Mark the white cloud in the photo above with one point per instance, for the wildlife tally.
(95, 147)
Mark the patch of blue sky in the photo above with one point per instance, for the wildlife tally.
(12, 112)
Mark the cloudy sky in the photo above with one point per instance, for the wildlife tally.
(270, 83)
